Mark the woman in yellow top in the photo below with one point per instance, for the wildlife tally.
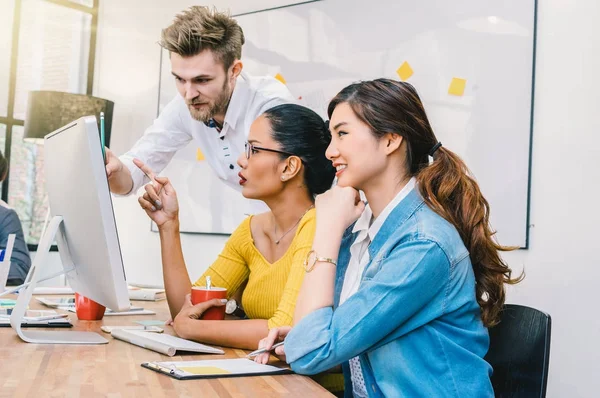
(285, 167)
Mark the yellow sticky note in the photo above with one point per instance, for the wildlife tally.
(204, 370)
(404, 71)
(457, 86)
(280, 78)
(199, 155)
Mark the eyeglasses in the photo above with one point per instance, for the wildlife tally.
(250, 148)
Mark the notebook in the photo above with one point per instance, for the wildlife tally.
(238, 367)
(163, 343)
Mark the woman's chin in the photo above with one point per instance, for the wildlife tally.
(247, 193)
(342, 181)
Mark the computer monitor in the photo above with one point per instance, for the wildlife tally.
(83, 223)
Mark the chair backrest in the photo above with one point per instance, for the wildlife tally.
(520, 352)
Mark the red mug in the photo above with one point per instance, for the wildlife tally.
(88, 310)
(202, 294)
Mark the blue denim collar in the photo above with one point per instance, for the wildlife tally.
(402, 212)
(397, 217)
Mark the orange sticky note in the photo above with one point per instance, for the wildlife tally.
(457, 86)
(199, 155)
(280, 78)
(404, 71)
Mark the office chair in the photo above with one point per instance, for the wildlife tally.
(520, 352)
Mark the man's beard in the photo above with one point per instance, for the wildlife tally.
(208, 112)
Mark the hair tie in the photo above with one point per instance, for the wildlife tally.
(435, 148)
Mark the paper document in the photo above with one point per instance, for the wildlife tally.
(237, 367)
(57, 302)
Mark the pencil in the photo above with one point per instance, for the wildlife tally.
(102, 137)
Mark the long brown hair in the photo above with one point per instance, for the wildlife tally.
(389, 106)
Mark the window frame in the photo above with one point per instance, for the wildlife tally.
(9, 121)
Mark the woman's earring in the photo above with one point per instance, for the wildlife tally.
(282, 178)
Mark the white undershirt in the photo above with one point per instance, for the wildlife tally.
(359, 259)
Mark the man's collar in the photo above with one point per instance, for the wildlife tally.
(238, 101)
(212, 123)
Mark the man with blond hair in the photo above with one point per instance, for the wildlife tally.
(216, 106)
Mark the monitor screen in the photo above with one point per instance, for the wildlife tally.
(78, 191)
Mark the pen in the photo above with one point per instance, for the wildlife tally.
(262, 350)
(102, 138)
(160, 368)
(159, 190)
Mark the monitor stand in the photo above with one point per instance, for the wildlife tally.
(16, 318)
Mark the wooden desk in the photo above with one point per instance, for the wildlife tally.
(114, 369)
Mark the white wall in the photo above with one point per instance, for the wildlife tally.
(561, 264)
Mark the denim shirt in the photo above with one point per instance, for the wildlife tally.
(414, 321)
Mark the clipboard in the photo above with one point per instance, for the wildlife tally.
(211, 369)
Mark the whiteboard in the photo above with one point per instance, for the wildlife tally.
(320, 47)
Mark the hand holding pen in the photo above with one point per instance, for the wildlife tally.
(269, 344)
(160, 200)
(264, 350)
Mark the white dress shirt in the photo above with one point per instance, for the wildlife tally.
(359, 258)
(175, 128)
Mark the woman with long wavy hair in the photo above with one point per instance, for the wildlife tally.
(400, 290)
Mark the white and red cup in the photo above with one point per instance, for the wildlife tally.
(202, 294)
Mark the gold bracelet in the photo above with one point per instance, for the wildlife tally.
(312, 258)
